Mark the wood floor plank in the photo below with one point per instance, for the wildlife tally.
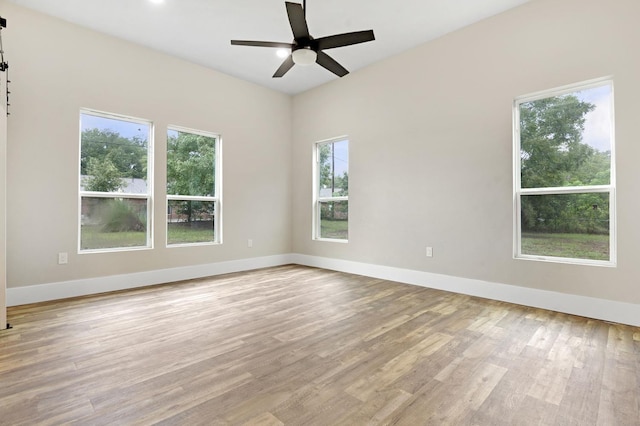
(293, 345)
(265, 419)
(379, 409)
(620, 393)
(397, 367)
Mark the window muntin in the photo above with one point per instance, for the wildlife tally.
(331, 190)
(193, 187)
(114, 184)
(565, 180)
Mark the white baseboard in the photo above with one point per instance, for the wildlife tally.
(608, 310)
(66, 289)
(590, 307)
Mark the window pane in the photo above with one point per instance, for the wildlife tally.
(566, 140)
(333, 167)
(566, 225)
(334, 220)
(112, 223)
(113, 155)
(190, 222)
(190, 164)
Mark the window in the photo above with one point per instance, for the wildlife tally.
(565, 177)
(115, 191)
(193, 187)
(331, 190)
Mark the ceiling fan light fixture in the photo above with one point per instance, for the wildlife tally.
(304, 56)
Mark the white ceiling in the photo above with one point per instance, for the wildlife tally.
(200, 30)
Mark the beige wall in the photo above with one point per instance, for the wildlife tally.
(3, 168)
(430, 132)
(431, 145)
(58, 68)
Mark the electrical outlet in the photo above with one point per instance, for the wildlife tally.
(249, 243)
(429, 251)
(63, 258)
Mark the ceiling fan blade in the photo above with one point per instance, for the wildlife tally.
(345, 39)
(329, 63)
(261, 43)
(297, 20)
(286, 66)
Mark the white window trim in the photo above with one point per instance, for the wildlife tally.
(518, 191)
(217, 199)
(148, 196)
(317, 200)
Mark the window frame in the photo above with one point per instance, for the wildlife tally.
(317, 199)
(118, 195)
(519, 191)
(217, 182)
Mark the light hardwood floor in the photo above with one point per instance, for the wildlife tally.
(301, 346)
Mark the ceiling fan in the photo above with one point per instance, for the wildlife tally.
(306, 50)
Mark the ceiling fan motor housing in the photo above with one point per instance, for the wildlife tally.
(305, 43)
